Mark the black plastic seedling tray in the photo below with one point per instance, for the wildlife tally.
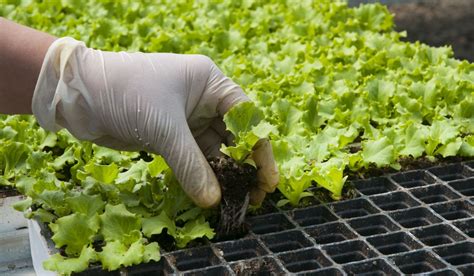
(410, 222)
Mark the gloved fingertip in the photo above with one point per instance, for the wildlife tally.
(206, 195)
(268, 179)
(267, 174)
(256, 196)
(211, 200)
(191, 168)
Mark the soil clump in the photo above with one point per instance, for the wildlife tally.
(235, 180)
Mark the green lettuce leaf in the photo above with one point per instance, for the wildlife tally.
(69, 265)
(74, 231)
(118, 224)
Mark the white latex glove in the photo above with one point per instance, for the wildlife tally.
(163, 103)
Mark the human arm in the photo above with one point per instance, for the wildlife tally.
(22, 51)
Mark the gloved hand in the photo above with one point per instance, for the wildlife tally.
(168, 104)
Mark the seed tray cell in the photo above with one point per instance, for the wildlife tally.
(470, 165)
(350, 251)
(240, 249)
(159, 268)
(466, 226)
(464, 186)
(437, 235)
(452, 172)
(415, 217)
(195, 258)
(373, 186)
(466, 269)
(313, 216)
(155, 268)
(413, 179)
(454, 210)
(394, 243)
(373, 225)
(98, 271)
(261, 266)
(460, 254)
(269, 223)
(434, 194)
(304, 260)
(210, 271)
(330, 233)
(394, 201)
(375, 267)
(359, 207)
(286, 241)
(444, 272)
(418, 262)
(332, 271)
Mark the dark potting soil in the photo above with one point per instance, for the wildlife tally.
(7, 191)
(168, 243)
(235, 180)
(438, 23)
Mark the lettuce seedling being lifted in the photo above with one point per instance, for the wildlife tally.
(237, 172)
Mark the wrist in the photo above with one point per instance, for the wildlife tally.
(52, 94)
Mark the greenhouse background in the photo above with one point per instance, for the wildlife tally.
(443, 206)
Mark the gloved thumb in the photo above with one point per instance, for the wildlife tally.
(189, 164)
